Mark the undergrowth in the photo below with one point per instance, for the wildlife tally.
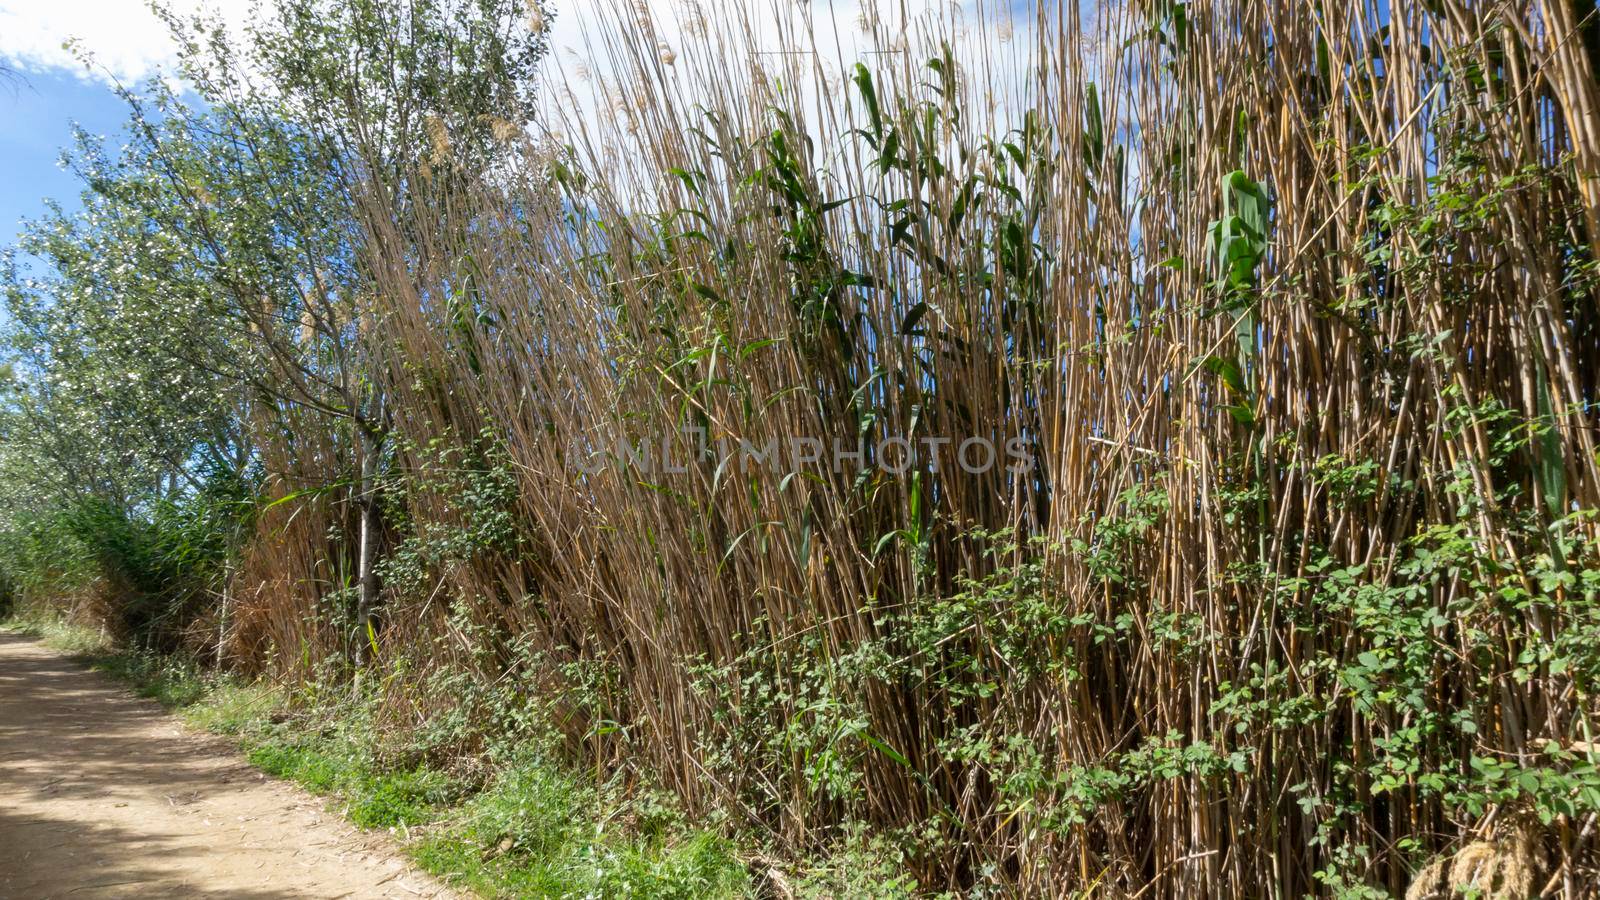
(528, 829)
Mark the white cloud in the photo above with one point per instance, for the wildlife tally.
(124, 37)
(600, 72)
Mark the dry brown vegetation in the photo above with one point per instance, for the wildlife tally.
(1293, 305)
(1067, 704)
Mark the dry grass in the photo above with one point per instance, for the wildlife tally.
(737, 244)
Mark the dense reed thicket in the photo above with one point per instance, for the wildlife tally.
(1282, 581)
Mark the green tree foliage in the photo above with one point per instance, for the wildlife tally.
(208, 296)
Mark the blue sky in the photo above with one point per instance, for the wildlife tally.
(45, 43)
(38, 110)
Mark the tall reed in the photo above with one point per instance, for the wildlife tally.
(1292, 304)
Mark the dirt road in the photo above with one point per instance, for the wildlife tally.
(104, 795)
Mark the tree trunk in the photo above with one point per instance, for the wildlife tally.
(222, 618)
(366, 574)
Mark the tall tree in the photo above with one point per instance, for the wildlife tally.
(216, 273)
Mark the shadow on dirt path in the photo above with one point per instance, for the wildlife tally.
(105, 795)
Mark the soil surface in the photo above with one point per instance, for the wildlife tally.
(105, 795)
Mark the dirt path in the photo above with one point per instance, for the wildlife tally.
(104, 795)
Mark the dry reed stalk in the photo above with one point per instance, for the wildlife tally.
(685, 262)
